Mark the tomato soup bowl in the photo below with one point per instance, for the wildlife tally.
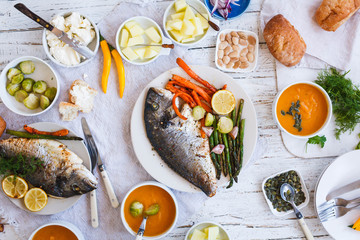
(167, 202)
(317, 117)
(73, 229)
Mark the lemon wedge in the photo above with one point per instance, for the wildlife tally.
(14, 187)
(35, 199)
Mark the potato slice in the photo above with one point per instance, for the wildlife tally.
(150, 53)
(180, 5)
(198, 26)
(130, 24)
(136, 41)
(176, 35)
(189, 14)
(187, 28)
(176, 24)
(153, 34)
(204, 23)
(136, 30)
(124, 38)
(179, 16)
(130, 54)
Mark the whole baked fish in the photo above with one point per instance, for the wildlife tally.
(63, 174)
(179, 142)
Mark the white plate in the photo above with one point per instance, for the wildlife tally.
(58, 205)
(344, 170)
(304, 189)
(150, 159)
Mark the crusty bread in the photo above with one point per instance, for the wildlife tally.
(284, 41)
(331, 14)
(82, 95)
(68, 111)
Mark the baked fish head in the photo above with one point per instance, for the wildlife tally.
(179, 142)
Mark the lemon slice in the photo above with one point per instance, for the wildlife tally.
(14, 187)
(35, 199)
(223, 102)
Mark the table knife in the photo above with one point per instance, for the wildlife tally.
(342, 190)
(91, 143)
(73, 43)
(93, 200)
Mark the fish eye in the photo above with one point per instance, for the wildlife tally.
(155, 106)
(75, 188)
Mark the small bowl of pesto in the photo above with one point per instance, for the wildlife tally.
(271, 189)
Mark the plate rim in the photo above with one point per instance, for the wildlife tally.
(194, 189)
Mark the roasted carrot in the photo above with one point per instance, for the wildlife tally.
(202, 121)
(208, 91)
(224, 87)
(62, 132)
(196, 98)
(174, 104)
(188, 99)
(193, 75)
(192, 86)
(106, 63)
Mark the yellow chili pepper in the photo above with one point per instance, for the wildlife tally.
(120, 69)
(107, 63)
(356, 225)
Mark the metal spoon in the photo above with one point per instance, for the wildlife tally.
(150, 211)
(287, 194)
(212, 24)
(157, 45)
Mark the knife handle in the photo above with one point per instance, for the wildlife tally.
(27, 12)
(109, 188)
(94, 211)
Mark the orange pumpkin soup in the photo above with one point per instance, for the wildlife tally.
(54, 232)
(148, 195)
(313, 109)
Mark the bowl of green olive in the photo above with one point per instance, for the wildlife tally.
(29, 86)
(271, 189)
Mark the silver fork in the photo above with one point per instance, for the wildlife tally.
(337, 202)
(335, 212)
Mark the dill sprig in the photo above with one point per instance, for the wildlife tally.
(19, 166)
(345, 98)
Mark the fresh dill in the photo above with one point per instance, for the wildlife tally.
(19, 166)
(345, 98)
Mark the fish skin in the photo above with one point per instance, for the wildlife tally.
(63, 174)
(179, 142)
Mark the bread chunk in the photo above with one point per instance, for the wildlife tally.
(82, 95)
(68, 111)
(284, 41)
(331, 14)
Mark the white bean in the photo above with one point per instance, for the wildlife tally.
(222, 45)
(226, 59)
(220, 53)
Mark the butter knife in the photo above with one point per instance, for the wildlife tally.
(342, 190)
(91, 143)
(73, 43)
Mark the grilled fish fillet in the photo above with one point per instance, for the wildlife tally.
(63, 174)
(179, 142)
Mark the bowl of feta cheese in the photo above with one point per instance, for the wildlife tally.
(77, 26)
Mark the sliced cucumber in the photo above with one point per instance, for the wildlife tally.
(198, 112)
(209, 120)
(225, 125)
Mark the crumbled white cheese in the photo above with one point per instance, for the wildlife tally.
(75, 26)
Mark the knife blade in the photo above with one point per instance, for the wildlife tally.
(342, 190)
(73, 43)
(91, 143)
(93, 200)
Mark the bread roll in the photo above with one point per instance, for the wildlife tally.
(333, 13)
(284, 41)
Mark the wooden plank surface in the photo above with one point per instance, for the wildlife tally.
(242, 210)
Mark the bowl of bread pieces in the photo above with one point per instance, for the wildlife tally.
(81, 99)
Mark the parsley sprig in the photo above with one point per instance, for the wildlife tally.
(316, 140)
(19, 166)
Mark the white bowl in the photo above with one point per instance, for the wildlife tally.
(328, 100)
(144, 22)
(304, 189)
(252, 65)
(146, 184)
(43, 71)
(223, 233)
(67, 225)
(201, 8)
(93, 45)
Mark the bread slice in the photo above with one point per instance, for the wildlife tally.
(331, 14)
(68, 111)
(82, 95)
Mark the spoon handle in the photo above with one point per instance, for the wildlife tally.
(305, 229)
(214, 26)
(168, 46)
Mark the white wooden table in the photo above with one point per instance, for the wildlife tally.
(242, 210)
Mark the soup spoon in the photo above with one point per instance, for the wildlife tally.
(151, 211)
(287, 194)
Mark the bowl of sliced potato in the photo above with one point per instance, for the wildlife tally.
(206, 231)
(139, 40)
(186, 22)
(29, 86)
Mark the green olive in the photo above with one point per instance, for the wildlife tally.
(27, 84)
(20, 95)
(12, 88)
(50, 93)
(32, 101)
(40, 87)
(44, 102)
